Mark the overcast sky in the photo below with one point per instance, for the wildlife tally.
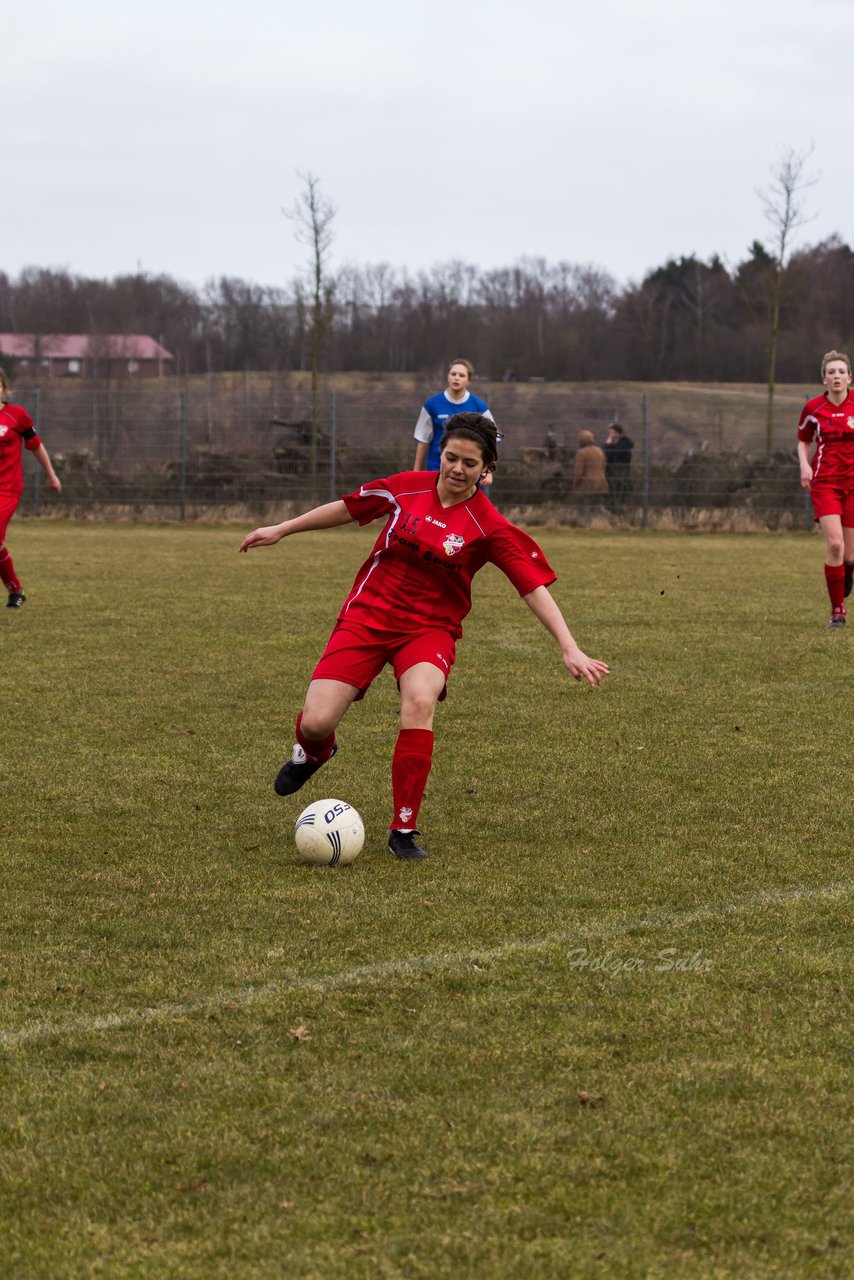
(169, 136)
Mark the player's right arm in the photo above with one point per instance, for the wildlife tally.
(423, 438)
(329, 516)
(804, 460)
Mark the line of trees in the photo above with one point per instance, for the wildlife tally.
(687, 319)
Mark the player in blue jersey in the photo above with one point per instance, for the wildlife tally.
(435, 412)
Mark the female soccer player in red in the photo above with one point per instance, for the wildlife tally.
(829, 420)
(407, 605)
(16, 427)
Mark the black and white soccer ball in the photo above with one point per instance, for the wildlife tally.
(329, 833)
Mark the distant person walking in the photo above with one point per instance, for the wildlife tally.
(16, 429)
(588, 470)
(829, 421)
(618, 463)
(436, 412)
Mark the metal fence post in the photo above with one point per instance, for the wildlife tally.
(183, 438)
(333, 447)
(37, 480)
(645, 460)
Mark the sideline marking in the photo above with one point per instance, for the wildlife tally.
(408, 966)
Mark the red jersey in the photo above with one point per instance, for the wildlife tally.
(420, 571)
(16, 426)
(832, 427)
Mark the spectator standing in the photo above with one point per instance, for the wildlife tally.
(618, 463)
(588, 469)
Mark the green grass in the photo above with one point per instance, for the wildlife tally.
(468, 1097)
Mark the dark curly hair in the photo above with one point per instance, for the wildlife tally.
(480, 430)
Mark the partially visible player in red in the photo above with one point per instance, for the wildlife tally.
(407, 605)
(829, 421)
(16, 428)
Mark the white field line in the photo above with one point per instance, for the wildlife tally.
(409, 966)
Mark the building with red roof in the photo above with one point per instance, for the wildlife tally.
(87, 355)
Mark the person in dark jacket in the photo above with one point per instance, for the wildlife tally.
(618, 463)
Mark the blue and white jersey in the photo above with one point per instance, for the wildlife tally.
(434, 416)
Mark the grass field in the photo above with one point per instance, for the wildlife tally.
(599, 1033)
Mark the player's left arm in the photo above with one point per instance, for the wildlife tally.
(42, 457)
(544, 608)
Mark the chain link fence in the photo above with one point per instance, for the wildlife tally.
(173, 452)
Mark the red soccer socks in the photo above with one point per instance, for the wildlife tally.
(7, 572)
(834, 576)
(316, 749)
(410, 769)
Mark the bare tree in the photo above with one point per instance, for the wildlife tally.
(312, 214)
(785, 211)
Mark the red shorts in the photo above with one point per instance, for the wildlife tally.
(833, 500)
(356, 655)
(8, 507)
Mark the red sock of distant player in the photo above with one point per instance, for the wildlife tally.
(410, 769)
(315, 748)
(7, 572)
(834, 576)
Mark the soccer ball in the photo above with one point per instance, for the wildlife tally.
(329, 833)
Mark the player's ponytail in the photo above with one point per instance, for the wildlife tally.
(480, 430)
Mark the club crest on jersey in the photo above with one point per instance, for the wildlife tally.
(3, 430)
(452, 544)
(851, 423)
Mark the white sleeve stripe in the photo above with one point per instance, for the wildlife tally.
(381, 493)
(473, 517)
(424, 427)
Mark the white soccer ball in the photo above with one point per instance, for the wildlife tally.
(329, 833)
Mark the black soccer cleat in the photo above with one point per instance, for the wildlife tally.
(402, 844)
(16, 599)
(296, 772)
(849, 578)
(837, 618)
